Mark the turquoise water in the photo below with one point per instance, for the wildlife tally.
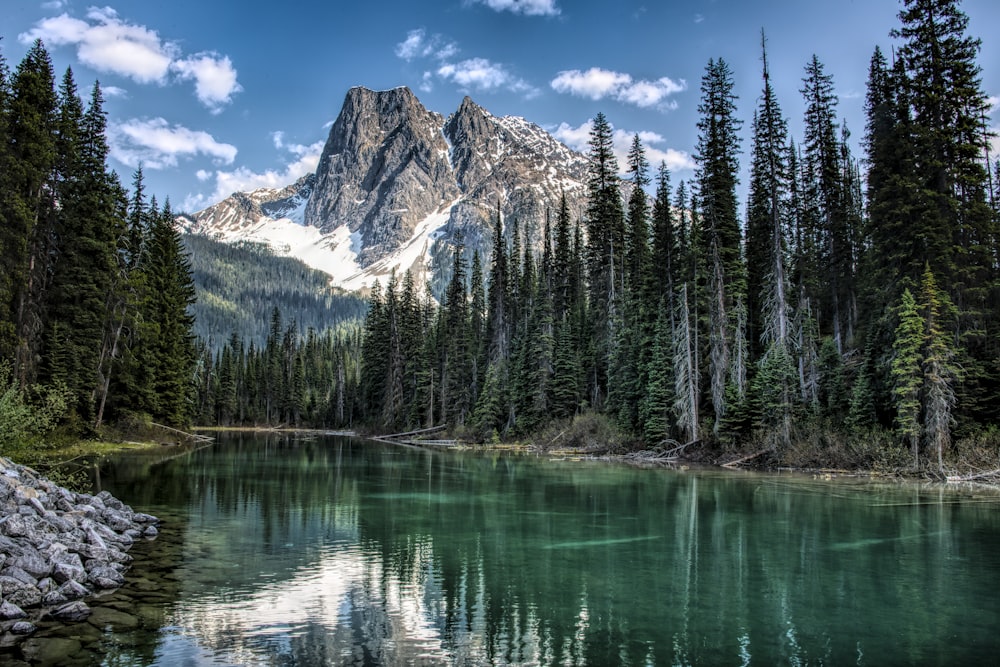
(336, 551)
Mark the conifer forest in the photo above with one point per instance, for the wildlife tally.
(849, 298)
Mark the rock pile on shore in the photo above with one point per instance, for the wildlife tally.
(57, 547)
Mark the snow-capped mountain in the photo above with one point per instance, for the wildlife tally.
(398, 186)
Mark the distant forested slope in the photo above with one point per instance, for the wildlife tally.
(239, 285)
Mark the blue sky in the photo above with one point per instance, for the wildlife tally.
(218, 96)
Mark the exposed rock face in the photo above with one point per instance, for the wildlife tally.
(242, 209)
(397, 186)
(510, 163)
(384, 168)
(57, 546)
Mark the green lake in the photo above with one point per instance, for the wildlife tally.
(285, 550)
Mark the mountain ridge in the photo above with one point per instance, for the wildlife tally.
(399, 187)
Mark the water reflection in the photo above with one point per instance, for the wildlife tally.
(333, 551)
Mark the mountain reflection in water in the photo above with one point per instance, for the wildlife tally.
(334, 551)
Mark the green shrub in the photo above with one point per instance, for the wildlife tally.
(27, 416)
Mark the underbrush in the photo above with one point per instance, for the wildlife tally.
(589, 432)
(817, 444)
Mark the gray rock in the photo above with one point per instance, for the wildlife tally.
(150, 531)
(15, 572)
(22, 628)
(50, 650)
(34, 564)
(73, 590)
(63, 572)
(9, 611)
(29, 596)
(53, 598)
(145, 518)
(116, 520)
(10, 584)
(72, 611)
(13, 525)
(47, 584)
(136, 534)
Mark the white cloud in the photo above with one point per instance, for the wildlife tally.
(597, 83)
(54, 5)
(114, 91)
(477, 74)
(243, 179)
(418, 45)
(699, 18)
(481, 74)
(214, 78)
(109, 44)
(992, 104)
(158, 145)
(526, 7)
(578, 139)
(203, 175)
(574, 137)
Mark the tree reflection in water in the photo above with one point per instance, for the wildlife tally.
(338, 551)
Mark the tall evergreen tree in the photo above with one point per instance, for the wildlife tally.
(717, 151)
(26, 206)
(605, 252)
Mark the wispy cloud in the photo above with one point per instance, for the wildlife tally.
(301, 159)
(471, 74)
(597, 83)
(526, 7)
(114, 91)
(418, 44)
(108, 44)
(699, 18)
(158, 145)
(578, 139)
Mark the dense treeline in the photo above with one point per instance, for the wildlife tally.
(94, 284)
(238, 285)
(291, 380)
(838, 303)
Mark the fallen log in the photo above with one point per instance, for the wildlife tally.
(970, 478)
(732, 464)
(192, 436)
(406, 434)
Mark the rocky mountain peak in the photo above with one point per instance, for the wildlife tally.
(397, 186)
(384, 168)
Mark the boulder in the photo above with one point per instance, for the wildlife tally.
(10, 611)
(72, 611)
(29, 596)
(73, 590)
(22, 628)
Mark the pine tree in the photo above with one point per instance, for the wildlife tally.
(825, 191)
(26, 205)
(955, 227)
(906, 371)
(767, 224)
(938, 369)
(605, 252)
(718, 147)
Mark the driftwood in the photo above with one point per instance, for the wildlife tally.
(680, 448)
(970, 478)
(192, 436)
(409, 433)
(405, 439)
(732, 464)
